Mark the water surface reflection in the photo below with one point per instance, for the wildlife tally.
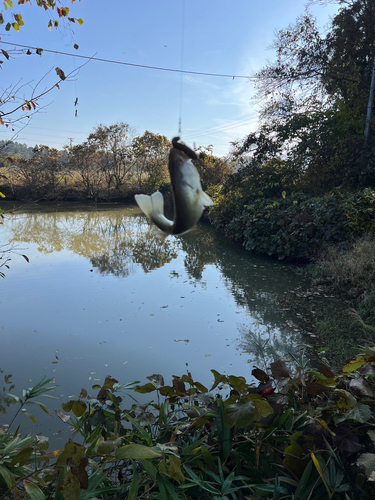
(105, 294)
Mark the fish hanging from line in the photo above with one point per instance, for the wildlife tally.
(188, 195)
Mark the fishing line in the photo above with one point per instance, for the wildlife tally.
(182, 65)
(75, 90)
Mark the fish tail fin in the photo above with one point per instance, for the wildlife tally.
(150, 204)
(153, 207)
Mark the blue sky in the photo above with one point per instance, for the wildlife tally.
(227, 37)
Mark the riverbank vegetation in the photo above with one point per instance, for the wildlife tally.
(298, 432)
(301, 187)
(112, 165)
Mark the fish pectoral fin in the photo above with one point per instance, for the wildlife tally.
(204, 198)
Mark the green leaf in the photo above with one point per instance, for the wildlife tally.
(238, 383)
(41, 405)
(31, 417)
(7, 476)
(70, 487)
(19, 400)
(22, 457)
(79, 408)
(144, 389)
(219, 379)
(240, 414)
(136, 451)
(33, 491)
(133, 492)
(67, 406)
(200, 387)
(149, 468)
(262, 408)
(72, 455)
(208, 458)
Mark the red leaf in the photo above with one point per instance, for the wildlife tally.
(10, 159)
(267, 392)
(327, 372)
(59, 11)
(313, 388)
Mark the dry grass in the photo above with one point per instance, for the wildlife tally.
(354, 267)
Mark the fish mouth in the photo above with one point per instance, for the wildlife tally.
(185, 149)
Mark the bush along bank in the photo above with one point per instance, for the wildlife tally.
(299, 433)
(294, 226)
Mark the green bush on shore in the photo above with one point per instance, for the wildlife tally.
(295, 225)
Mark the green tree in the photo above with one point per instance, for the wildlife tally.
(114, 144)
(212, 170)
(315, 101)
(41, 174)
(150, 153)
(84, 161)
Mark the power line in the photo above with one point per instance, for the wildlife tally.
(201, 73)
(230, 125)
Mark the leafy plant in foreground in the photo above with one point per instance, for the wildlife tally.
(299, 433)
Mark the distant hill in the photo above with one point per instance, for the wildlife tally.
(23, 150)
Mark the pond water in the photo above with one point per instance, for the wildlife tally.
(104, 294)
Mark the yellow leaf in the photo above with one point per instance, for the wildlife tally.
(80, 21)
(175, 468)
(354, 364)
(323, 423)
(346, 402)
(318, 468)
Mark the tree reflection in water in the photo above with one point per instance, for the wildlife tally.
(120, 241)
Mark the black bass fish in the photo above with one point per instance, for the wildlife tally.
(188, 195)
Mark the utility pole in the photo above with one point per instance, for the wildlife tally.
(370, 102)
